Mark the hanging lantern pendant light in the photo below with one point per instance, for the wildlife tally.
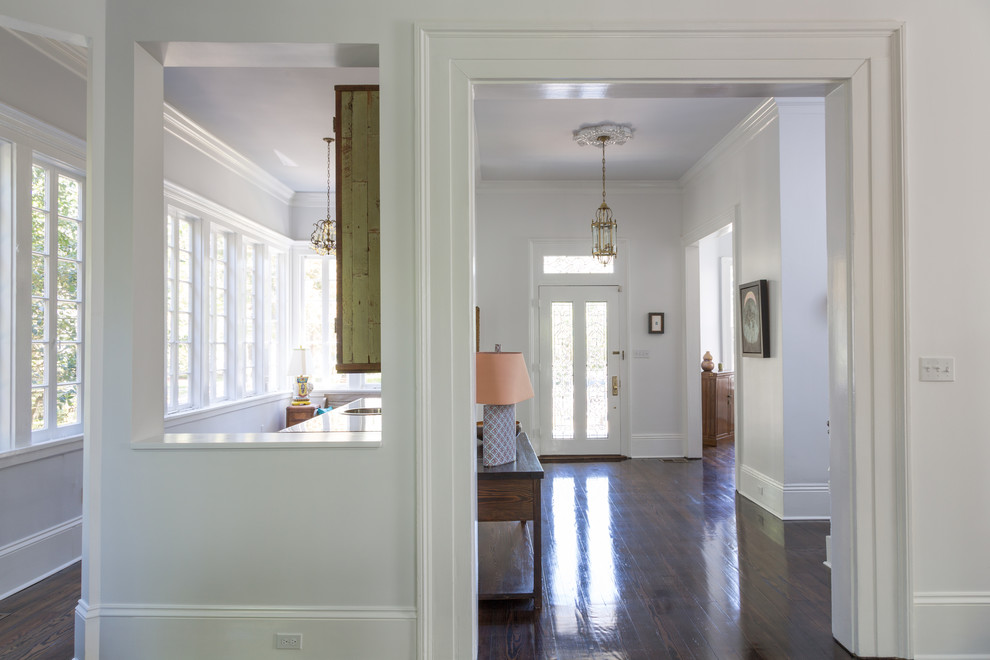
(603, 227)
(324, 236)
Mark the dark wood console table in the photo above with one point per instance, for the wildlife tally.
(508, 497)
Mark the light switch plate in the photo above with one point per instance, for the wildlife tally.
(937, 369)
(641, 353)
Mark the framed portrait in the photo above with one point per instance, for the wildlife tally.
(655, 323)
(754, 319)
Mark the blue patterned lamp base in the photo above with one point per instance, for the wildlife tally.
(498, 437)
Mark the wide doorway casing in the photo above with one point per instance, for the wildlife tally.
(870, 496)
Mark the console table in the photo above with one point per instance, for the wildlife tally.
(508, 553)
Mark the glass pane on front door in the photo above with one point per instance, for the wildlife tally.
(596, 372)
(563, 369)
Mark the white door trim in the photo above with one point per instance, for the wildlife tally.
(450, 61)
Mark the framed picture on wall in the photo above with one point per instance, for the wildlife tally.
(754, 316)
(656, 323)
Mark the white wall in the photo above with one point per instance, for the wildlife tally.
(747, 172)
(945, 242)
(649, 224)
(35, 84)
(804, 293)
(40, 514)
(256, 415)
(774, 171)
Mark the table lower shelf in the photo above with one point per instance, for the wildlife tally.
(505, 560)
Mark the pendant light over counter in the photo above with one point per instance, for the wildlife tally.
(324, 236)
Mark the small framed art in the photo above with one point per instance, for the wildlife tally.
(655, 323)
(754, 316)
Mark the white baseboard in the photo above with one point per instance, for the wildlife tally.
(657, 445)
(166, 632)
(951, 625)
(34, 558)
(786, 501)
(807, 502)
(761, 489)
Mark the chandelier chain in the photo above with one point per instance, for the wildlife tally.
(603, 168)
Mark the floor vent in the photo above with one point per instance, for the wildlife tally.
(675, 460)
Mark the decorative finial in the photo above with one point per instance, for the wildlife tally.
(706, 363)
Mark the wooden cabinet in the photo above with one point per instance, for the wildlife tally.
(296, 414)
(718, 392)
(358, 251)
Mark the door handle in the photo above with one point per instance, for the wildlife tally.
(615, 386)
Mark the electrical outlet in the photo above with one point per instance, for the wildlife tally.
(292, 641)
(937, 369)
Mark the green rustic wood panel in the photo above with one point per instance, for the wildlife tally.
(358, 230)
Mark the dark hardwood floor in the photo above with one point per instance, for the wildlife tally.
(652, 559)
(642, 559)
(36, 623)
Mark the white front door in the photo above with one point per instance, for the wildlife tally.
(579, 370)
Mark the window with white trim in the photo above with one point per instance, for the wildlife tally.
(56, 302)
(42, 302)
(273, 328)
(180, 261)
(218, 317)
(249, 313)
(224, 315)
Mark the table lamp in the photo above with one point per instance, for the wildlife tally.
(297, 367)
(502, 382)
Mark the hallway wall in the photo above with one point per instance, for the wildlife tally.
(648, 220)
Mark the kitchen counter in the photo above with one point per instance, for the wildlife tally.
(336, 429)
(344, 419)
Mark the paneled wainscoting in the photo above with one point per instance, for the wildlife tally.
(652, 558)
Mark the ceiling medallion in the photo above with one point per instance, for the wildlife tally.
(613, 134)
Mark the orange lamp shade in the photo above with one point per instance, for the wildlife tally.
(502, 378)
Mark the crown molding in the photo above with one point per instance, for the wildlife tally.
(742, 133)
(52, 142)
(310, 200)
(185, 129)
(201, 206)
(72, 57)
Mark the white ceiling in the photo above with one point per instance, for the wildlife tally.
(524, 131)
(533, 139)
(258, 111)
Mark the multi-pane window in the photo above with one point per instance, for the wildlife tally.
(179, 344)
(250, 317)
(318, 316)
(56, 301)
(225, 310)
(274, 379)
(218, 315)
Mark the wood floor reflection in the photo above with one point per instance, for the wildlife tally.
(652, 559)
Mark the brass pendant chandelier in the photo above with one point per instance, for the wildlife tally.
(324, 236)
(604, 228)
